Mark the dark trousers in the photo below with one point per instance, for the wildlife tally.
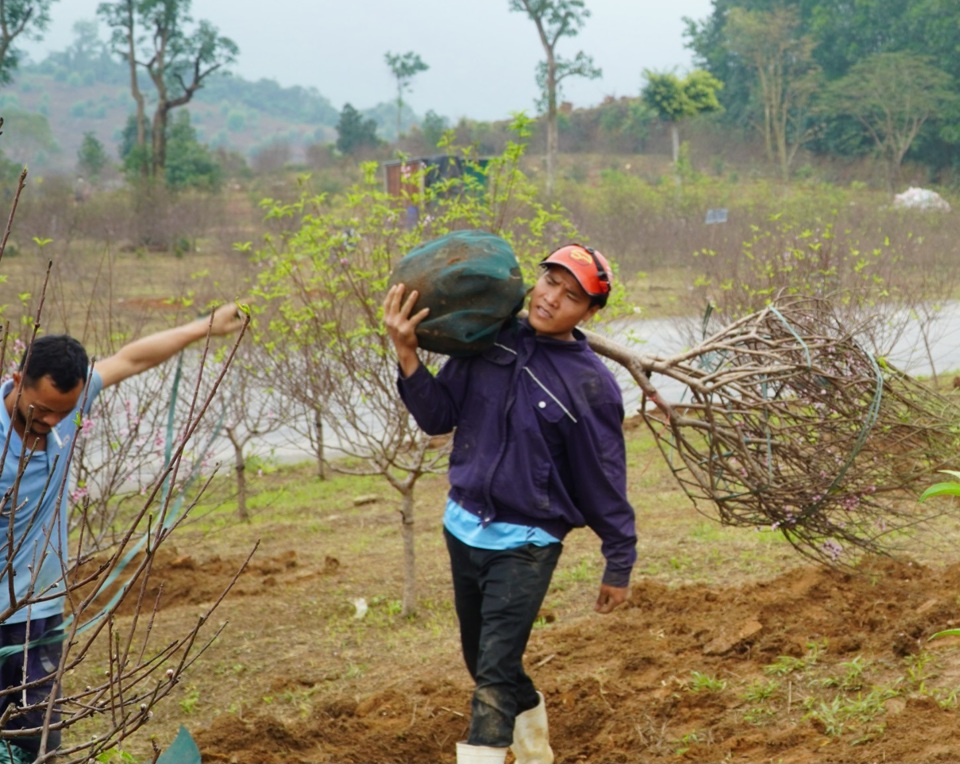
(497, 594)
(42, 662)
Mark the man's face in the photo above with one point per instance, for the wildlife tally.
(42, 404)
(558, 303)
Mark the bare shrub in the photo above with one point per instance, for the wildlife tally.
(271, 157)
(788, 423)
(138, 672)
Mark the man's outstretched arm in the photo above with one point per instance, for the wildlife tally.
(152, 350)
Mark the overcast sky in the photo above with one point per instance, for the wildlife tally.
(482, 57)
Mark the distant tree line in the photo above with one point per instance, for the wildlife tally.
(839, 77)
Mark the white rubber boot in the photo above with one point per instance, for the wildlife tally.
(531, 736)
(480, 754)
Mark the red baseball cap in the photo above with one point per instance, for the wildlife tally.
(589, 268)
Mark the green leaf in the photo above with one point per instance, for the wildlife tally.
(946, 633)
(941, 489)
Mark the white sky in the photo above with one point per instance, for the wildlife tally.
(482, 57)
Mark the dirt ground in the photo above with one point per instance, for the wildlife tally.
(803, 664)
(618, 689)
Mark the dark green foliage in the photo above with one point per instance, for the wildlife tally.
(87, 57)
(675, 99)
(893, 95)
(133, 157)
(158, 37)
(19, 18)
(92, 158)
(190, 164)
(433, 128)
(844, 33)
(626, 122)
(354, 132)
(294, 103)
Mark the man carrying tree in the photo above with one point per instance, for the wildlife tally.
(538, 450)
(43, 408)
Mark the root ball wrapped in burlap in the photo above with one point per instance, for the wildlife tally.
(472, 284)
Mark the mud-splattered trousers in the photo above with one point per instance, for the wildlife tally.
(498, 593)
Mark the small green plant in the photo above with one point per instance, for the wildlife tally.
(814, 651)
(392, 607)
(788, 664)
(852, 677)
(829, 715)
(920, 670)
(700, 682)
(584, 571)
(114, 756)
(758, 692)
(855, 714)
(945, 698)
(686, 741)
(759, 715)
(188, 703)
(783, 665)
(946, 488)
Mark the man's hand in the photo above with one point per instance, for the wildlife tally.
(611, 597)
(402, 327)
(227, 319)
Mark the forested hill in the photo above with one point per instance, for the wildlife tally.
(51, 104)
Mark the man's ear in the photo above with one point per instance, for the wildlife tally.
(17, 378)
(591, 312)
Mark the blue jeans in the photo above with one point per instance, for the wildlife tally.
(42, 662)
(497, 594)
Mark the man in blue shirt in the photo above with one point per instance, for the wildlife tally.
(538, 450)
(43, 407)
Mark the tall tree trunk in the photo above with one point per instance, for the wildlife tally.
(159, 142)
(551, 122)
(399, 107)
(158, 72)
(240, 468)
(318, 445)
(409, 601)
(141, 118)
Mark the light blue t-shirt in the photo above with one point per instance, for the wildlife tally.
(467, 527)
(40, 552)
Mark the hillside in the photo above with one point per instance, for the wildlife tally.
(50, 105)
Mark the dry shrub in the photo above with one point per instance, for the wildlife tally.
(788, 423)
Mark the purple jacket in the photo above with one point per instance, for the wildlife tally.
(538, 441)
